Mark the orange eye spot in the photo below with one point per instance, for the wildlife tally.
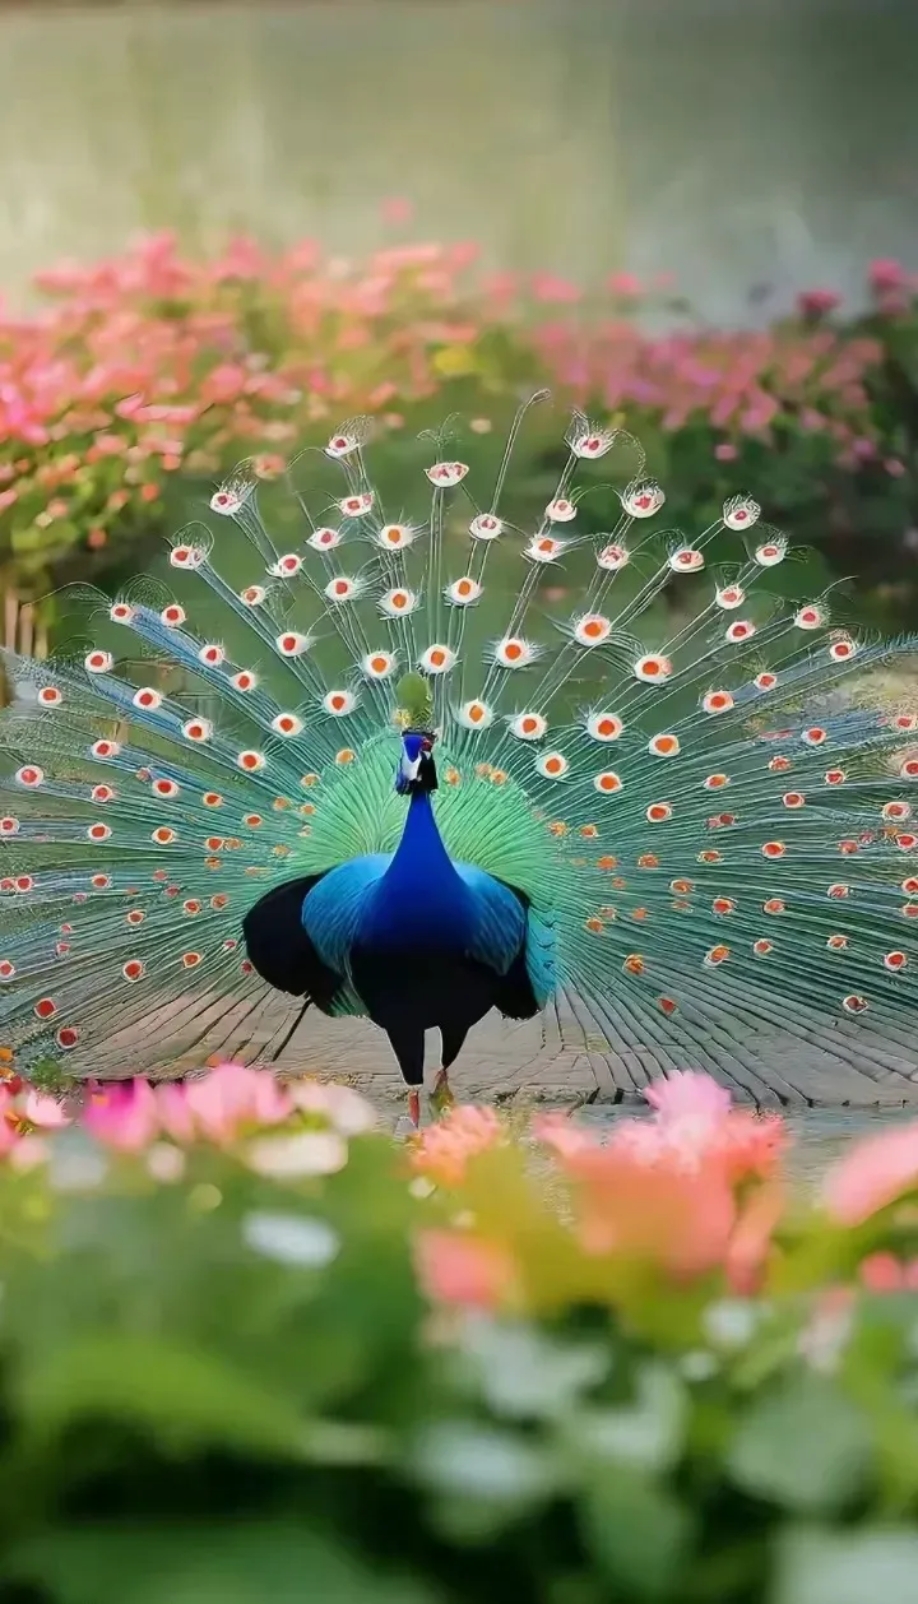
(633, 964)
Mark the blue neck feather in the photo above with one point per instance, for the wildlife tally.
(420, 899)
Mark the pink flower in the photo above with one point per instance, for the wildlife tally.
(46, 1112)
(443, 1150)
(886, 274)
(872, 1175)
(396, 210)
(233, 1099)
(725, 452)
(688, 1095)
(124, 1116)
(550, 289)
(817, 303)
(676, 1218)
(470, 1271)
(893, 467)
(624, 285)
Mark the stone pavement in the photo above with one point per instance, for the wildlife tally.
(564, 1058)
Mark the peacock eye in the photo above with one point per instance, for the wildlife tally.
(426, 745)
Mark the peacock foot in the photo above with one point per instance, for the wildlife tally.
(441, 1098)
(409, 1124)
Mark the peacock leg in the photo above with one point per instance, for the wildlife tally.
(408, 1046)
(452, 1037)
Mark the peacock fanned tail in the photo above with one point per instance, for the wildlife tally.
(687, 774)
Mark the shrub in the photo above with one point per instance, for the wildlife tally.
(251, 1351)
(148, 372)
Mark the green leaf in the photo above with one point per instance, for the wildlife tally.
(638, 1533)
(804, 1446)
(822, 1567)
(180, 1396)
(226, 1563)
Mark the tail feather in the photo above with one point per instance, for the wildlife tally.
(693, 775)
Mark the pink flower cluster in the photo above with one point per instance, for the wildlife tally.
(148, 364)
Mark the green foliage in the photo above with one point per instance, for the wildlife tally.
(219, 1388)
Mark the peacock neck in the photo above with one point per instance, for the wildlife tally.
(421, 855)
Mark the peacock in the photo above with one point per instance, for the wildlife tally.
(419, 766)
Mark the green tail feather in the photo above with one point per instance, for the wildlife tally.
(711, 817)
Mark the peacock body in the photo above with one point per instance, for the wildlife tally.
(347, 769)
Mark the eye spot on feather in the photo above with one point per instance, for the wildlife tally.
(593, 629)
(815, 735)
(709, 856)
(286, 567)
(437, 659)
(514, 652)
(607, 782)
(121, 613)
(723, 906)
(607, 861)
(604, 726)
(187, 556)
(50, 696)
(773, 849)
(136, 916)
(794, 799)
(634, 964)
(594, 925)
(197, 729)
(838, 891)
(190, 960)
(589, 832)
(895, 961)
(345, 755)
(560, 511)
(212, 799)
(558, 828)
(339, 703)
(173, 616)
(398, 603)
(906, 842)
(642, 498)
(545, 549)
(475, 715)
(99, 832)
(716, 955)
(716, 782)
(251, 761)
(811, 617)
(729, 597)
(652, 669)
(9, 825)
(648, 860)
(780, 764)
(452, 776)
(855, 1003)
(167, 789)
(837, 943)
(762, 947)
(486, 526)
(835, 777)
(665, 745)
(686, 560)
(659, 812)
(287, 724)
(446, 474)
(98, 662)
(163, 836)
(717, 702)
(30, 776)
(67, 1037)
(462, 592)
(552, 765)
(133, 970)
(356, 506)
(740, 512)
(528, 726)
(771, 553)
(682, 888)
(612, 558)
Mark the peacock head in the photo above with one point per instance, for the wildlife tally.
(417, 772)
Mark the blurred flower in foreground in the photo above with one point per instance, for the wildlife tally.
(872, 1175)
(455, 1267)
(443, 1150)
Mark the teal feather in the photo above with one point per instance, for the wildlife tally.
(709, 821)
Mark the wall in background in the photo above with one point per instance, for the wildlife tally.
(748, 147)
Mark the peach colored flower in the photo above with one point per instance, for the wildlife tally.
(454, 1267)
(442, 1151)
(678, 1219)
(873, 1174)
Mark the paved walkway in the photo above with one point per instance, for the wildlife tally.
(564, 1058)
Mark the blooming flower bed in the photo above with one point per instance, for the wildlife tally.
(148, 369)
(251, 1350)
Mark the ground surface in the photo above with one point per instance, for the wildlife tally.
(563, 1058)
